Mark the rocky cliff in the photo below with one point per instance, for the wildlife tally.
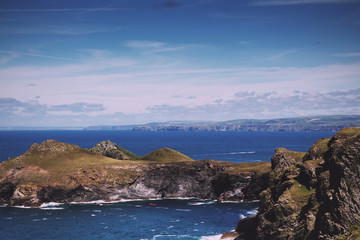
(58, 172)
(313, 195)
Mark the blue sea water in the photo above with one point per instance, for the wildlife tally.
(223, 146)
(168, 219)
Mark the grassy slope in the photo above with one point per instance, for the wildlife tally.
(166, 155)
(256, 167)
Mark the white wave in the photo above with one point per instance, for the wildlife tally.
(242, 216)
(118, 209)
(179, 198)
(50, 204)
(183, 210)
(201, 203)
(228, 153)
(162, 207)
(240, 153)
(234, 202)
(53, 208)
(214, 237)
(22, 206)
(168, 235)
(160, 236)
(252, 212)
(101, 202)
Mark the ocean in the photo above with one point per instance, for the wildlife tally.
(162, 219)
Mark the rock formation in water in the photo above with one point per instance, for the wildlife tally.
(313, 195)
(58, 172)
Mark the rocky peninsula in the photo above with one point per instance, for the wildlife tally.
(59, 172)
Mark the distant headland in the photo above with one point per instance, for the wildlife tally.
(310, 123)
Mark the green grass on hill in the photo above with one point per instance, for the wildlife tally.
(166, 155)
(66, 161)
(256, 167)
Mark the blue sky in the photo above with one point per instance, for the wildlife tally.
(80, 63)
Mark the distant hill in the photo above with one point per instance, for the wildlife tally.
(166, 155)
(311, 123)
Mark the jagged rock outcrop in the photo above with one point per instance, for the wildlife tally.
(310, 196)
(58, 172)
(110, 149)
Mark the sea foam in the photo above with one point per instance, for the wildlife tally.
(214, 237)
(201, 203)
(51, 206)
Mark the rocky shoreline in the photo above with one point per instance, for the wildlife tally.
(64, 173)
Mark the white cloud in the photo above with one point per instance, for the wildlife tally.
(351, 54)
(280, 55)
(242, 104)
(143, 44)
(16, 54)
(151, 47)
(125, 85)
(9, 56)
(268, 105)
(14, 106)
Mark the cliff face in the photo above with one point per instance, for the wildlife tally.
(310, 196)
(60, 172)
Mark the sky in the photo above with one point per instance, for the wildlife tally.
(86, 62)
